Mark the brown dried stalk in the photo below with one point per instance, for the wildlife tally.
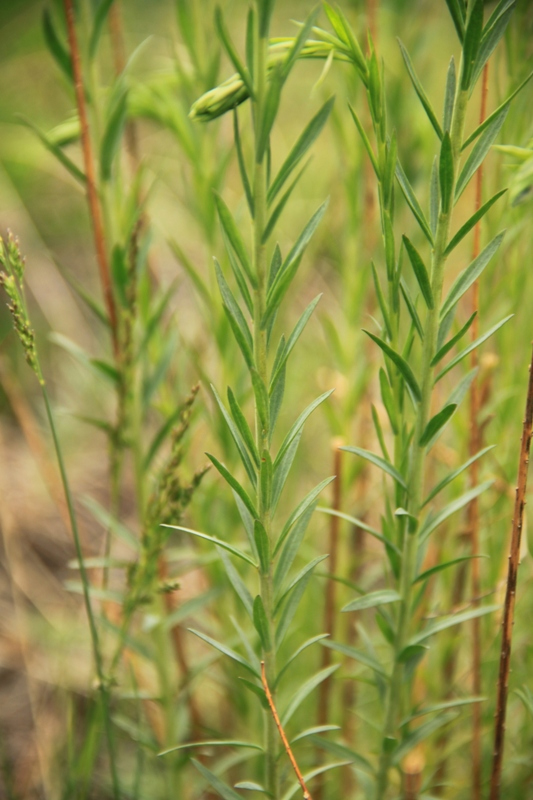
(286, 745)
(510, 594)
(92, 194)
(473, 509)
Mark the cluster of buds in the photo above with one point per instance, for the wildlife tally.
(233, 91)
(12, 280)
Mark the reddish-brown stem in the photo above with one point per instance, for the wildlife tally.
(473, 510)
(284, 739)
(510, 593)
(92, 194)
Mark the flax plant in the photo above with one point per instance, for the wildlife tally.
(409, 380)
(271, 594)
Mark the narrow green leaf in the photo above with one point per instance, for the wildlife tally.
(300, 576)
(275, 215)
(479, 151)
(419, 734)
(261, 399)
(358, 523)
(304, 142)
(237, 582)
(293, 338)
(275, 265)
(270, 110)
(290, 608)
(446, 173)
(263, 546)
(472, 41)
(242, 166)
(422, 96)
(459, 357)
(400, 363)
(56, 47)
(466, 278)
(432, 523)
(365, 140)
(454, 474)
(261, 624)
(440, 567)
(386, 466)
(241, 447)
(291, 548)
(373, 599)
(276, 398)
(449, 96)
(474, 219)
(242, 425)
(56, 151)
(239, 274)
(235, 485)
(229, 547)
(304, 646)
(314, 731)
(305, 690)
(234, 237)
(420, 271)
(212, 743)
(436, 423)
(453, 341)
(239, 326)
(495, 114)
(99, 21)
(358, 655)
(282, 471)
(381, 300)
(227, 651)
(112, 136)
(448, 622)
(457, 13)
(492, 33)
(298, 425)
(344, 752)
(299, 42)
(219, 786)
(110, 523)
(250, 44)
(265, 480)
(460, 701)
(229, 47)
(412, 202)
(308, 500)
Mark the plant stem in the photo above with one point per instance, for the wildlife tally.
(92, 194)
(473, 510)
(416, 472)
(510, 594)
(260, 358)
(102, 683)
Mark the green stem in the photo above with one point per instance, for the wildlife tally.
(102, 684)
(263, 433)
(416, 472)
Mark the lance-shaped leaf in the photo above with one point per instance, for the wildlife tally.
(457, 13)
(242, 425)
(212, 743)
(472, 41)
(359, 523)
(446, 173)
(440, 567)
(276, 213)
(358, 655)
(304, 142)
(495, 114)
(432, 523)
(290, 608)
(454, 474)
(240, 160)
(399, 362)
(112, 135)
(270, 111)
(219, 786)
(229, 47)
(56, 151)
(261, 624)
(412, 202)
(492, 33)
(474, 219)
(466, 278)
(365, 140)
(298, 425)
(479, 151)
(436, 423)
(449, 96)
(229, 547)
(304, 646)
(239, 326)
(293, 338)
(235, 485)
(381, 300)
(342, 751)
(308, 500)
(444, 623)
(459, 357)
(422, 96)
(315, 731)
(387, 399)
(237, 582)
(245, 458)
(413, 313)
(56, 47)
(292, 546)
(419, 734)
(227, 651)
(300, 576)
(386, 466)
(434, 197)
(261, 399)
(442, 351)
(282, 471)
(263, 546)
(234, 237)
(373, 599)
(420, 272)
(305, 690)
